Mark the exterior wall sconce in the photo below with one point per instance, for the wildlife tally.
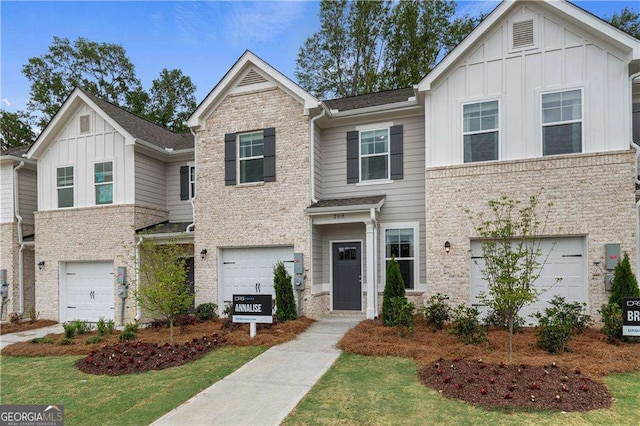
(41, 264)
(203, 253)
(447, 246)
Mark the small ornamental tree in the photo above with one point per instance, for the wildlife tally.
(393, 287)
(624, 282)
(162, 290)
(511, 253)
(285, 303)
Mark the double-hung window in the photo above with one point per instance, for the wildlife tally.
(374, 155)
(251, 157)
(192, 182)
(480, 122)
(400, 243)
(562, 122)
(64, 184)
(103, 182)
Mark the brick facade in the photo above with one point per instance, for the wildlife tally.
(254, 215)
(9, 252)
(593, 195)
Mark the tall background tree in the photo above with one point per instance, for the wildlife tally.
(15, 129)
(172, 100)
(627, 20)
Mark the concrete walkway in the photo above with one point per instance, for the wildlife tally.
(267, 388)
(25, 336)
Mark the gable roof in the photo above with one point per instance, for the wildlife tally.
(563, 8)
(370, 100)
(134, 129)
(241, 74)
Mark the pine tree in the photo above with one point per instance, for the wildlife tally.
(393, 287)
(285, 303)
(624, 282)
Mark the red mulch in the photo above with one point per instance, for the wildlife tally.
(24, 326)
(138, 357)
(545, 387)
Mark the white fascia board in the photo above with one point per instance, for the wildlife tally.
(208, 105)
(315, 211)
(378, 108)
(16, 159)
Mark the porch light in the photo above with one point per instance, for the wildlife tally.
(447, 246)
(203, 253)
(41, 264)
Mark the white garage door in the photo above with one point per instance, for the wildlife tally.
(88, 291)
(566, 260)
(250, 270)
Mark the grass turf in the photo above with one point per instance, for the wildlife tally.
(385, 390)
(133, 399)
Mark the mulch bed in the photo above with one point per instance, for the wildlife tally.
(138, 357)
(24, 326)
(545, 387)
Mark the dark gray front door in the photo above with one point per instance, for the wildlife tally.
(347, 266)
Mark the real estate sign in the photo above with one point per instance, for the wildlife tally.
(631, 316)
(252, 308)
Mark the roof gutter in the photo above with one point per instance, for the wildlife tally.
(312, 155)
(21, 242)
(409, 104)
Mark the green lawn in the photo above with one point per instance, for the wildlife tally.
(122, 400)
(385, 390)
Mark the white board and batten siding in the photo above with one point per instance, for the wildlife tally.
(564, 57)
(82, 150)
(564, 274)
(179, 210)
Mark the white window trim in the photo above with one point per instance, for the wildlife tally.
(416, 250)
(541, 124)
(255, 157)
(80, 132)
(113, 181)
(61, 187)
(193, 184)
(368, 128)
(499, 129)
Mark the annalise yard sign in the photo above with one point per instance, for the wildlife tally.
(252, 308)
(631, 316)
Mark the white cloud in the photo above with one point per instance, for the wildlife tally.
(261, 21)
(6, 102)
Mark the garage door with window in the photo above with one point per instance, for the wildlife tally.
(88, 291)
(566, 261)
(250, 270)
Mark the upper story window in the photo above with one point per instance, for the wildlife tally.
(374, 155)
(251, 157)
(192, 181)
(187, 182)
(85, 123)
(103, 182)
(562, 122)
(64, 185)
(480, 130)
(400, 243)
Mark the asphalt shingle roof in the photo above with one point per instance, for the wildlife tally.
(346, 202)
(143, 129)
(16, 151)
(370, 100)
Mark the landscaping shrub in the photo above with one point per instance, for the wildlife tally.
(206, 312)
(94, 339)
(184, 321)
(129, 332)
(105, 327)
(69, 330)
(393, 287)
(624, 282)
(285, 302)
(14, 318)
(559, 324)
(81, 327)
(66, 341)
(436, 311)
(497, 320)
(158, 323)
(33, 315)
(401, 315)
(611, 322)
(466, 326)
(39, 340)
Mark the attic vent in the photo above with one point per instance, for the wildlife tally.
(85, 124)
(252, 77)
(523, 34)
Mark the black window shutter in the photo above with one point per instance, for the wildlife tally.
(269, 140)
(353, 154)
(184, 182)
(397, 152)
(230, 159)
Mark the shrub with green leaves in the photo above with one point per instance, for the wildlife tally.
(285, 303)
(624, 282)
(436, 311)
(206, 312)
(129, 332)
(401, 315)
(94, 339)
(39, 340)
(69, 329)
(611, 322)
(393, 287)
(559, 323)
(81, 327)
(497, 320)
(66, 341)
(105, 327)
(466, 326)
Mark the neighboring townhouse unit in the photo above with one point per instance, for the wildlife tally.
(18, 195)
(106, 179)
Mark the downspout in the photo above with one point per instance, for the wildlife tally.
(21, 242)
(635, 146)
(374, 221)
(193, 206)
(312, 155)
(138, 305)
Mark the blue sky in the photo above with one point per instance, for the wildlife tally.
(203, 39)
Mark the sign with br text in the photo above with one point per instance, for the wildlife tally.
(249, 308)
(631, 316)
